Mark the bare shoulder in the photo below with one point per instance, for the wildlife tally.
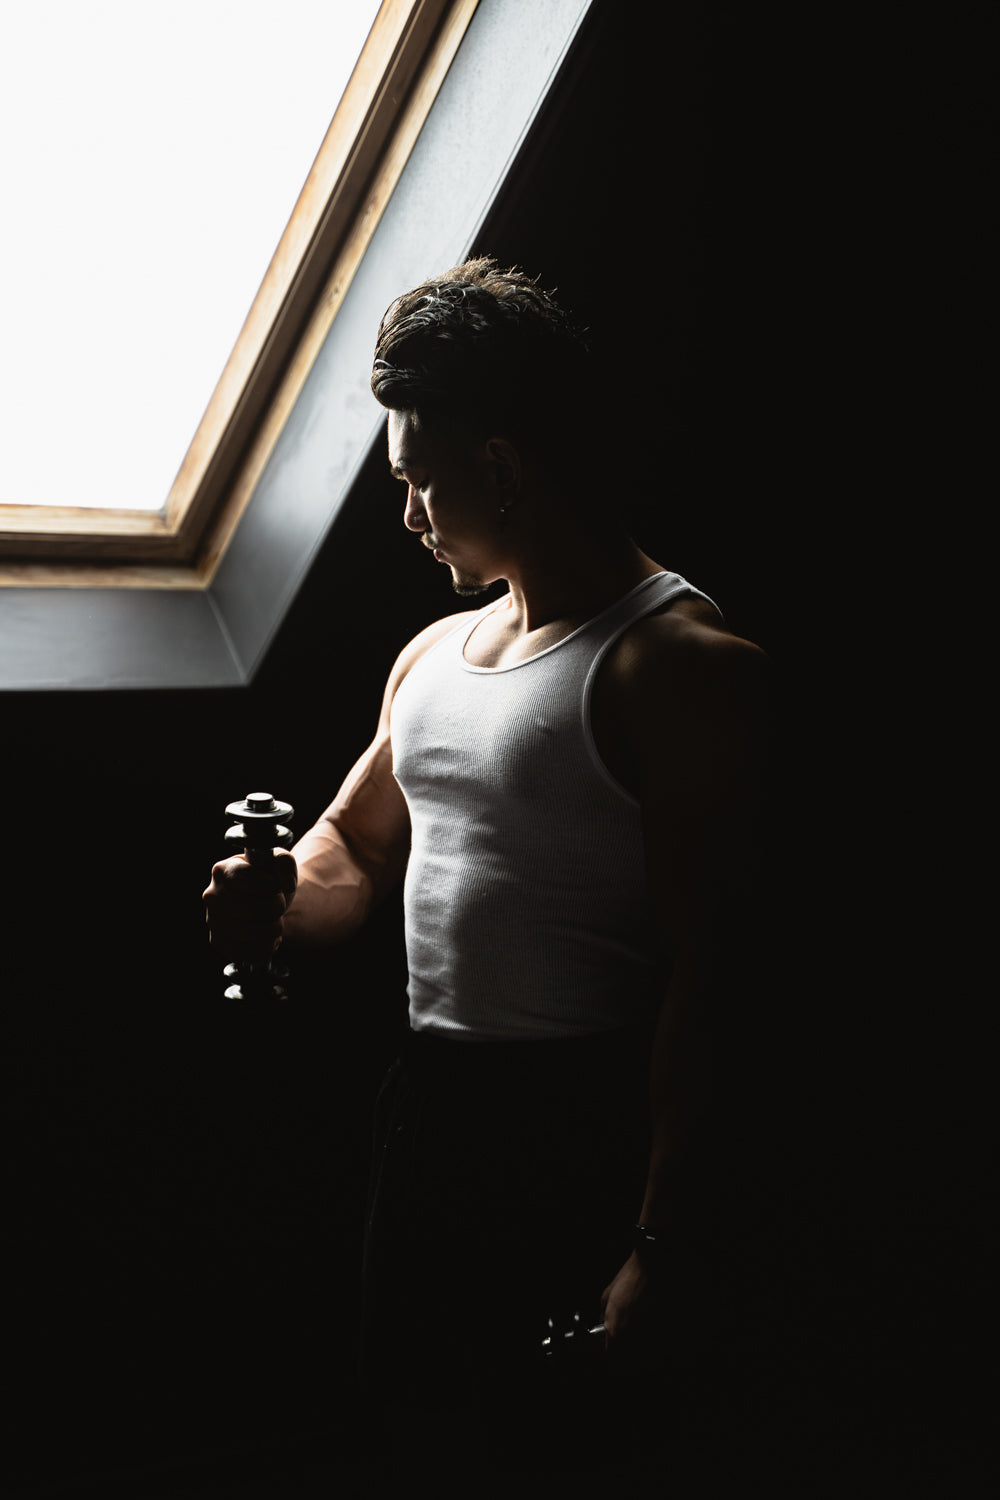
(682, 703)
(421, 644)
(404, 663)
(686, 652)
(431, 634)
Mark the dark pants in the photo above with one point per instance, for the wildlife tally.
(505, 1182)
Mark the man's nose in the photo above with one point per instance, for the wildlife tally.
(413, 513)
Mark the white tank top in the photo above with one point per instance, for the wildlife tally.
(525, 896)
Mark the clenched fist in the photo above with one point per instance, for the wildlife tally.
(245, 904)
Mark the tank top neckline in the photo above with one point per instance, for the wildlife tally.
(489, 609)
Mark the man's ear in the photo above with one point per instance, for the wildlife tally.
(506, 468)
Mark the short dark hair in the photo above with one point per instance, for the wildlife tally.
(487, 349)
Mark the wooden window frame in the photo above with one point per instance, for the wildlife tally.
(390, 93)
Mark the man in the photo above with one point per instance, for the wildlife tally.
(556, 775)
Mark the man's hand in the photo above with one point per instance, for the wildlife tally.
(667, 1312)
(632, 1319)
(245, 904)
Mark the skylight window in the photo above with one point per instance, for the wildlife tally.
(151, 156)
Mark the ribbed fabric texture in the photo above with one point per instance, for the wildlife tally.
(525, 898)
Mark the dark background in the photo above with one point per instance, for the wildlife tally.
(187, 1175)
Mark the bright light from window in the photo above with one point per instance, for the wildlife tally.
(150, 157)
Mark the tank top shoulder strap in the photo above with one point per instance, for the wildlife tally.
(649, 595)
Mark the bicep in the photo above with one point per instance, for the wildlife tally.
(698, 747)
(369, 813)
(369, 816)
(368, 820)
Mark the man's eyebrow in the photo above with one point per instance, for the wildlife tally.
(398, 469)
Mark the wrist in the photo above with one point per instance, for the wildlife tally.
(649, 1246)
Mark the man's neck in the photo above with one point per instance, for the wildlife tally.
(573, 580)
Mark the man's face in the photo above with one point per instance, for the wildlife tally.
(449, 499)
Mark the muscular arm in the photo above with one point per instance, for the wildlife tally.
(699, 751)
(691, 699)
(357, 850)
(341, 868)
(354, 854)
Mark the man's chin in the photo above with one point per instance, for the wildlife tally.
(467, 587)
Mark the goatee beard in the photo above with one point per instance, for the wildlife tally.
(468, 587)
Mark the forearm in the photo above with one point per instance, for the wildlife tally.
(334, 893)
(680, 1084)
(630, 1301)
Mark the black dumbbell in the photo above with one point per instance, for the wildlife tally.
(257, 828)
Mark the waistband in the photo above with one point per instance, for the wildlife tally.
(593, 1055)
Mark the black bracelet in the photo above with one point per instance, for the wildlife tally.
(648, 1244)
